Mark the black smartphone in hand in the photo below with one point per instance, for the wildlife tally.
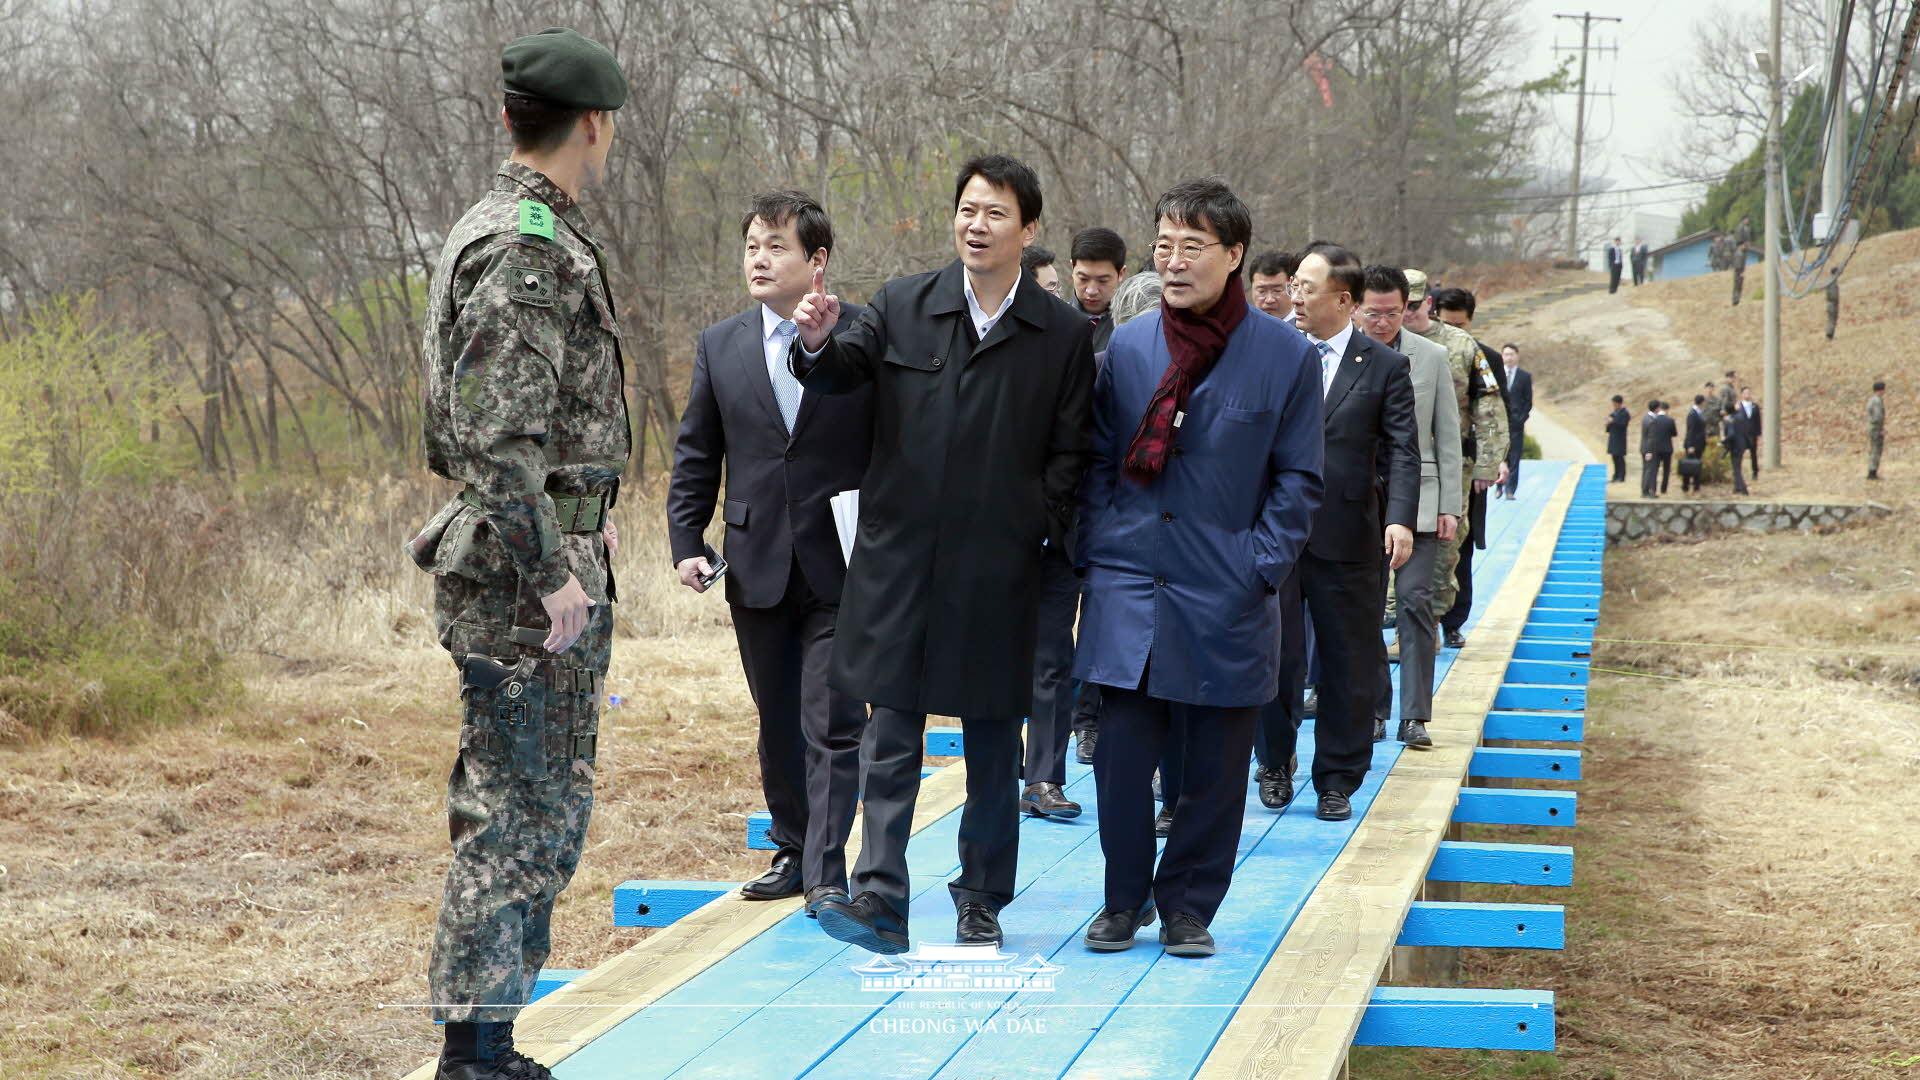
(717, 564)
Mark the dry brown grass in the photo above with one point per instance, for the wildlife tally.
(1745, 896)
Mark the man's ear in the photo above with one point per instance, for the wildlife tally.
(1029, 233)
(818, 260)
(504, 125)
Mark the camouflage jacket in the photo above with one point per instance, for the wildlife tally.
(1483, 415)
(1876, 414)
(1728, 399)
(524, 385)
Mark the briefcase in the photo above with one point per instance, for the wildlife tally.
(1690, 467)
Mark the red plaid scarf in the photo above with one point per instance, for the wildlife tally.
(1195, 342)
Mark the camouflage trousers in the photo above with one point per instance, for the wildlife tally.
(519, 796)
(1446, 561)
(1876, 442)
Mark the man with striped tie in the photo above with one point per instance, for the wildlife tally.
(785, 453)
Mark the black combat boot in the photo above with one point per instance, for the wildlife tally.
(485, 1052)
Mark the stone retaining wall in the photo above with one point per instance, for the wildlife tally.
(1629, 520)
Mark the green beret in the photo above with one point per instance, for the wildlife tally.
(564, 67)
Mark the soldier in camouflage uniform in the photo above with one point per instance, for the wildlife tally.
(1833, 302)
(1876, 429)
(1483, 425)
(525, 404)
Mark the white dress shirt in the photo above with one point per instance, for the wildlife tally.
(1338, 343)
(983, 322)
(775, 348)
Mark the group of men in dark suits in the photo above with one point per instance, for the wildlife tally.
(1185, 483)
(1718, 414)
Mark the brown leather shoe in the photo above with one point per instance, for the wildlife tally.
(1046, 800)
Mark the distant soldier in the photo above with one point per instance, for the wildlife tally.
(1833, 302)
(1876, 429)
(1742, 242)
(1729, 397)
(1712, 411)
(525, 404)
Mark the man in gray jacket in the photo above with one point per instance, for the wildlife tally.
(1437, 412)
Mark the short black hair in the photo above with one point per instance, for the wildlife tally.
(1099, 244)
(776, 208)
(1454, 299)
(1617, 399)
(1879, 384)
(1729, 374)
(1272, 263)
(1343, 266)
(1210, 204)
(536, 124)
(1699, 399)
(1511, 345)
(1003, 172)
(1381, 278)
(1654, 405)
(1034, 258)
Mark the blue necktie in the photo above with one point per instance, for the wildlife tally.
(786, 388)
(1326, 365)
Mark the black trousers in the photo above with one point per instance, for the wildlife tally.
(1753, 459)
(1344, 601)
(1515, 449)
(1653, 474)
(1456, 616)
(809, 732)
(1051, 720)
(1197, 865)
(1280, 719)
(1739, 481)
(989, 823)
(1619, 466)
(1690, 483)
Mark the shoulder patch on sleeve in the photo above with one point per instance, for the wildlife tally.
(536, 219)
(534, 286)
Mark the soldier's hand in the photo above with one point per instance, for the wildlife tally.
(1398, 545)
(612, 536)
(817, 313)
(1501, 476)
(567, 611)
(1480, 486)
(1448, 525)
(692, 570)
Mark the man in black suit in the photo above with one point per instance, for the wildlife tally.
(1519, 408)
(1694, 445)
(982, 388)
(1368, 410)
(785, 453)
(1614, 261)
(1738, 439)
(1617, 422)
(1751, 409)
(1656, 449)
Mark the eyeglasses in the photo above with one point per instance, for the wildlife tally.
(1378, 316)
(1298, 287)
(1187, 250)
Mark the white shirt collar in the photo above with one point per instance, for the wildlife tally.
(1338, 341)
(983, 322)
(769, 322)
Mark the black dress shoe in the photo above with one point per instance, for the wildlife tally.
(1045, 800)
(1414, 734)
(820, 894)
(1379, 729)
(1334, 807)
(1456, 640)
(1112, 931)
(781, 880)
(866, 921)
(1163, 822)
(1186, 935)
(1084, 743)
(1276, 788)
(976, 924)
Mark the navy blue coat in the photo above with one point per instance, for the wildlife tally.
(1186, 569)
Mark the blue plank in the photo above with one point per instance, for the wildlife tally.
(1451, 1019)
(1537, 698)
(1515, 806)
(1575, 577)
(1535, 727)
(1547, 613)
(759, 825)
(1484, 926)
(944, 742)
(1567, 672)
(1502, 864)
(1558, 632)
(1524, 763)
(1530, 649)
(551, 979)
(663, 903)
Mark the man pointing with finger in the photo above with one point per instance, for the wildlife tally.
(981, 389)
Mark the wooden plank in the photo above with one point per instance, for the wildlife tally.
(1450, 1019)
(1502, 864)
(663, 903)
(1485, 926)
(1567, 672)
(1560, 632)
(1546, 614)
(1525, 763)
(1515, 806)
(1535, 727)
(1301, 1015)
(1529, 649)
(1535, 698)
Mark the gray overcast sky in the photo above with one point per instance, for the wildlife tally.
(1626, 134)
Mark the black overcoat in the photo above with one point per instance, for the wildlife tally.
(978, 452)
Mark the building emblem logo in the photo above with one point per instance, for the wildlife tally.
(951, 968)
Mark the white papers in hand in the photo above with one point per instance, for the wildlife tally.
(846, 521)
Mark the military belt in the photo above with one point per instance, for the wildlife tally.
(576, 513)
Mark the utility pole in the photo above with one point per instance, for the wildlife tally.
(1586, 19)
(1772, 235)
(1833, 180)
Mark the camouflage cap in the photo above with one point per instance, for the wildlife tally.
(564, 67)
(1416, 285)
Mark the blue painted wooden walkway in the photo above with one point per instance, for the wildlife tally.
(791, 1002)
